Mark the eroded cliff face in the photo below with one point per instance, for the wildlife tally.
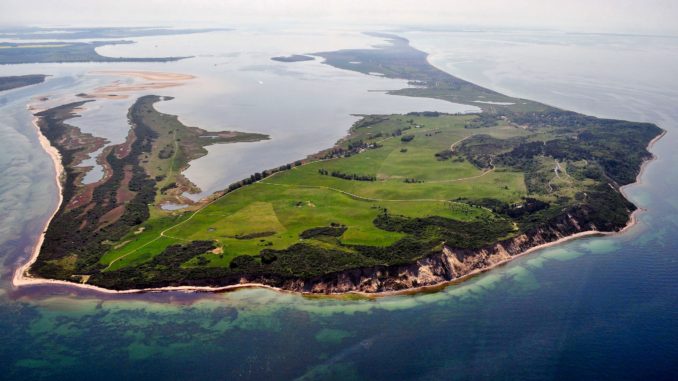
(447, 265)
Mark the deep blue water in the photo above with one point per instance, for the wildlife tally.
(596, 308)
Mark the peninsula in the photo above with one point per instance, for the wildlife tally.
(14, 82)
(69, 51)
(403, 201)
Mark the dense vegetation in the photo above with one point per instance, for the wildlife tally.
(81, 232)
(90, 217)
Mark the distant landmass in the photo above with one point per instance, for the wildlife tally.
(293, 58)
(59, 52)
(401, 202)
(13, 82)
(90, 33)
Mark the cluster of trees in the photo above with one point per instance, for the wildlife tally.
(454, 233)
(412, 181)
(406, 138)
(618, 147)
(445, 154)
(167, 187)
(483, 120)
(166, 152)
(399, 131)
(356, 145)
(334, 230)
(347, 176)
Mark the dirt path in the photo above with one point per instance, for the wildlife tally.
(465, 178)
(459, 141)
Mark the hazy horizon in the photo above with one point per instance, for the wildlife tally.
(608, 16)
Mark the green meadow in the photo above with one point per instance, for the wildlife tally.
(272, 213)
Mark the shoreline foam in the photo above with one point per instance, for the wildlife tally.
(22, 276)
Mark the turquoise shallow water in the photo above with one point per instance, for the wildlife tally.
(596, 308)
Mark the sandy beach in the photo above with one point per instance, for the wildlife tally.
(22, 276)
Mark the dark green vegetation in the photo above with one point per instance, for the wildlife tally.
(44, 52)
(8, 83)
(293, 58)
(397, 189)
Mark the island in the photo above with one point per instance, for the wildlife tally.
(60, 52)
(14, 82)
(293, 58)
(404, 201)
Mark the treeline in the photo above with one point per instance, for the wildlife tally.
(425, 113)
(262, 175)
(347, 176)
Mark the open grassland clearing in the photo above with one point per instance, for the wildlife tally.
(272, 213)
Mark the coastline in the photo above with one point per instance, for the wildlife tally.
(22, 276)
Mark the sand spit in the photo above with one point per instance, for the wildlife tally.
(154, 80)
(147, 75)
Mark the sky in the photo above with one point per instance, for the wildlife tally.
(616, 16)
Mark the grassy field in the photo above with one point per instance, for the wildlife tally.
(272, 213)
